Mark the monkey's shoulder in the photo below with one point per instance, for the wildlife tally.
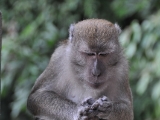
(60, 50)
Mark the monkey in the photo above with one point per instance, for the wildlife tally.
(86, 78)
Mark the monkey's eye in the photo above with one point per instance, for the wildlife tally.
(91, 54)
(102, 54)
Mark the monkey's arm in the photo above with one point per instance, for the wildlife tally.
(122, 108)
(121, 111)
(49, 106)
(117, 106)
(105, 109)
(117, 109)
(44, 101)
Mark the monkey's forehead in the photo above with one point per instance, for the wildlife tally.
(95, 28)
(95, 21)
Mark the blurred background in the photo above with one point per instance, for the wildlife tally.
(32, 29)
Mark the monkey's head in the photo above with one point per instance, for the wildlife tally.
(95, 52)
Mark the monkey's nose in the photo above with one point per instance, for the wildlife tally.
(96, 72)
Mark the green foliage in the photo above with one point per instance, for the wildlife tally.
(129, 7)
(143, 51)
(32, 28)
(125, 8)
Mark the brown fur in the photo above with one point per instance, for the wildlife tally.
(90, 65)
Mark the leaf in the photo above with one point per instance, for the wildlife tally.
(137, 33)
(125, 37)
(130, 50)
(156, 91)
(143, 83)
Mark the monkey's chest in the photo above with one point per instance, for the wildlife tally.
(78, 95)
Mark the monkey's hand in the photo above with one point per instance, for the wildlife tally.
(103, 106)
(85, 111)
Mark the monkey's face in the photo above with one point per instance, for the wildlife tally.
(95, 65)
(95, 51)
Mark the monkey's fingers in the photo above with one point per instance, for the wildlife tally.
(82, 114)
(104, 98)
(103, 115)
(88, 102)
(94, 118)
(92, 113)
(83, 110)
(105, 106)
(96, 104)
(84, 118)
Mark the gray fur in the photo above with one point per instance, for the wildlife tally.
(79, 85)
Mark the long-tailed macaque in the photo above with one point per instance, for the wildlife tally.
(86, 78)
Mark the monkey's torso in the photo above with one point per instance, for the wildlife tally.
(86, 78)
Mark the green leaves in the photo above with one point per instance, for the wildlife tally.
(143, 83)
(32, 28)
(142, 45)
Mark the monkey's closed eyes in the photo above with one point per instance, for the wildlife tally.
(88, 68)
(94, 54)
(103, 54)
(90, 54)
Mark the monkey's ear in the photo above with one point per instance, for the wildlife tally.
(71, 28)
(117, 28)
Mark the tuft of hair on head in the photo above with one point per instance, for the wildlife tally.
(117, 28)
(71, 28)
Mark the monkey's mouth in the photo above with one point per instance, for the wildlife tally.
(95, 84)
